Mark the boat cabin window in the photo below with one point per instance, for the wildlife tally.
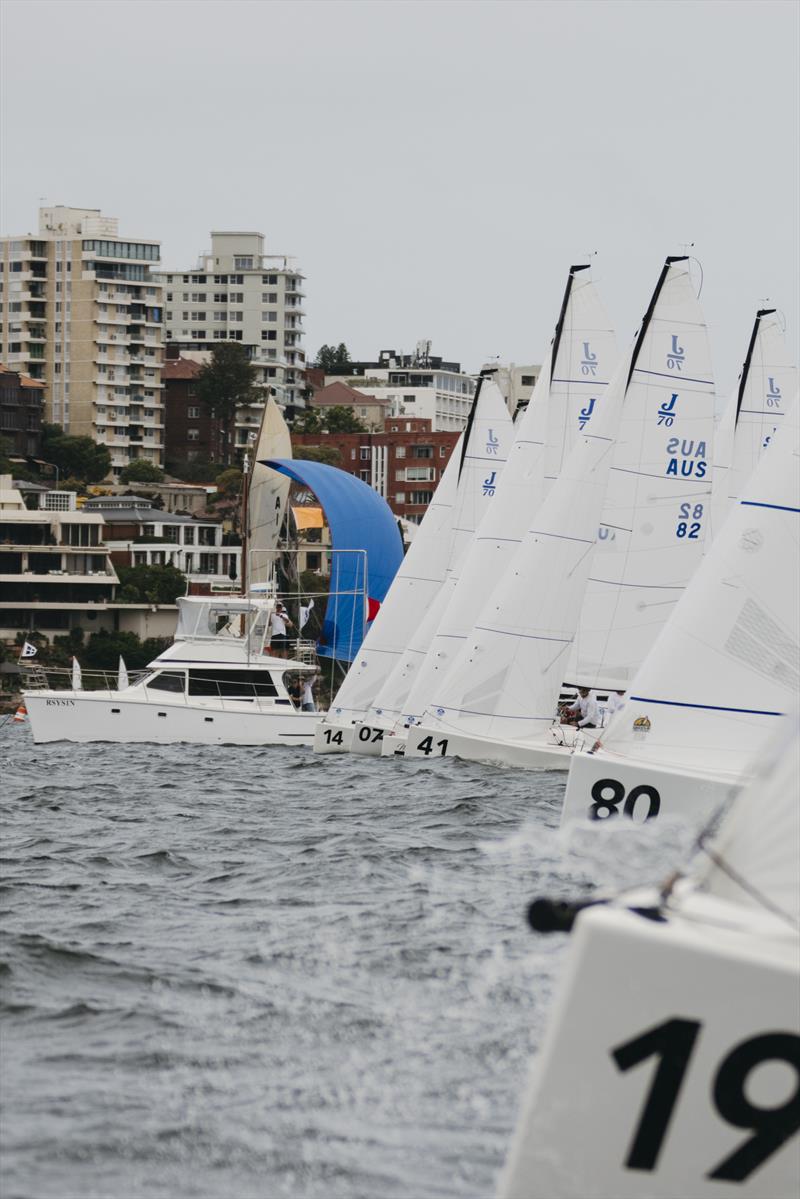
(241, 684)
(168, 680)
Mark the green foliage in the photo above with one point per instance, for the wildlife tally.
(308, 421)
(104, 650)
(193, 472)
(227, 382)
(141, 471)
(150, 584)
(229, 482)
(318, 453)
(78, 457)
(17, 470)
(330, 356)
(340, 419)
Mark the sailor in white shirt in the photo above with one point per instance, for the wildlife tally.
(584, 711)
(616, 700)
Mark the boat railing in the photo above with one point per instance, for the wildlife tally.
(60, 678)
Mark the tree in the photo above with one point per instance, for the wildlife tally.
(309, 421)
(141, 471)
(331, 356)
(226, 383)
(104, 650)
(229, 483)
(318, 453)
(192, 472)
(79, 457)
(339, 419)
(150, 584)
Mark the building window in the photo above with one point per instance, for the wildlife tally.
(236, 297)
(269, 335)
(420, 497)
(400, 497)
(269, 279)
(442, 451)
(193, 413)
(269, 297)
(528, 380)
(353, 454)
(243, 264)
(364, 453)
(364, 475)
(198, 297)
(192, 434)
(400, 451)
(269, 316)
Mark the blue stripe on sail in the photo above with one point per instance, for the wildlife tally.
(674, 703)
(675, 378)
(527, 636)
(588, 382)
(777, 507)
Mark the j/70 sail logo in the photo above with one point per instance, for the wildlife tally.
(489, 484)
(589, 361)
(667, 413)
(676, 356)
(773, 394)
(585, 414)
(492, 443)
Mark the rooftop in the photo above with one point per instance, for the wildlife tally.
(343, 395)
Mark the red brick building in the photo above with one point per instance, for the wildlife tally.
(21, 412)
(404, 463)
(191, 434)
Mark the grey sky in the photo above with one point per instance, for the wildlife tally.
(435, 167)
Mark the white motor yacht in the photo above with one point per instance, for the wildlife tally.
(217, 684)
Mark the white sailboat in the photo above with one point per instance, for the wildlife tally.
(268, 495)
(410, 596)
(485, 449)
(498, 702)
(569, 393)
(725, 667)
(764, 391)
(671, 1064)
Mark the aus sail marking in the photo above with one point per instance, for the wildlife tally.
(667, 413)
(589, 361)
(688, 457)
(676, 356)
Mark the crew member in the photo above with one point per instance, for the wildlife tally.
(279, 623)
(584, 712)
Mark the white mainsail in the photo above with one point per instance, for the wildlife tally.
(268, 494)
(486, 446)
(656, 508)
(413, 590)
(568, 394)
(727, 663)
(766, 385)
(753, 858)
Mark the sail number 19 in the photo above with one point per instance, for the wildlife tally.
(672, 1044)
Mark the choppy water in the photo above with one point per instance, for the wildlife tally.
(250, 973)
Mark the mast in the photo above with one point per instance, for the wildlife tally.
(556, 342)
(648, 316)
(245, 517)
(470, 419)
(748, 358)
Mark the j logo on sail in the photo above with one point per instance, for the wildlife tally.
(676, 356)
(585, 414)
(666, 413)
(773, 395)
(489, 485)
(492, 443)
(589, 361)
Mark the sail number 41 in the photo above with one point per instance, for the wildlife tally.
(672, 1044)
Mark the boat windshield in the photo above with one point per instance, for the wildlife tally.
(201, 618)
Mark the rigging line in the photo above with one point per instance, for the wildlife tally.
(742, 882)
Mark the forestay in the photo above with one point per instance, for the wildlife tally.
(567, 396)
(727, 664)
(655, 512)
(484, 453)
(753, 858)
(268, 494)
(766, 385)
(412, 593)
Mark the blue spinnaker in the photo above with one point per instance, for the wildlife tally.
(367, 545)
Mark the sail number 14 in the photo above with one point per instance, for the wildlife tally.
(672, 1044)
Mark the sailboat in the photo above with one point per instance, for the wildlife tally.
(724, 669)
(568, 394)
(633, 473)
(766, 385)
(671, 1064)
(484, 450)
(267, 497)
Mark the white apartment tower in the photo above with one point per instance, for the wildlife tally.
(82, 311)
(239, 293)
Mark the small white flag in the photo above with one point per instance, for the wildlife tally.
(76, 675)
(28, 650)
(305, 612)
(122, 675)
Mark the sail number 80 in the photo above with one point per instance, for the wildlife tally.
(608, 794)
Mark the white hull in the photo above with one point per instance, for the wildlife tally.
(435, 743)
(601, 785)
(108, 716)
(332, 738)
(656, 1031)
(367, 740)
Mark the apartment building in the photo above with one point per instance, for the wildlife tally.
(21, 414)
(404, 463)
(82, 313)
(239, 293)
(418, 385)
